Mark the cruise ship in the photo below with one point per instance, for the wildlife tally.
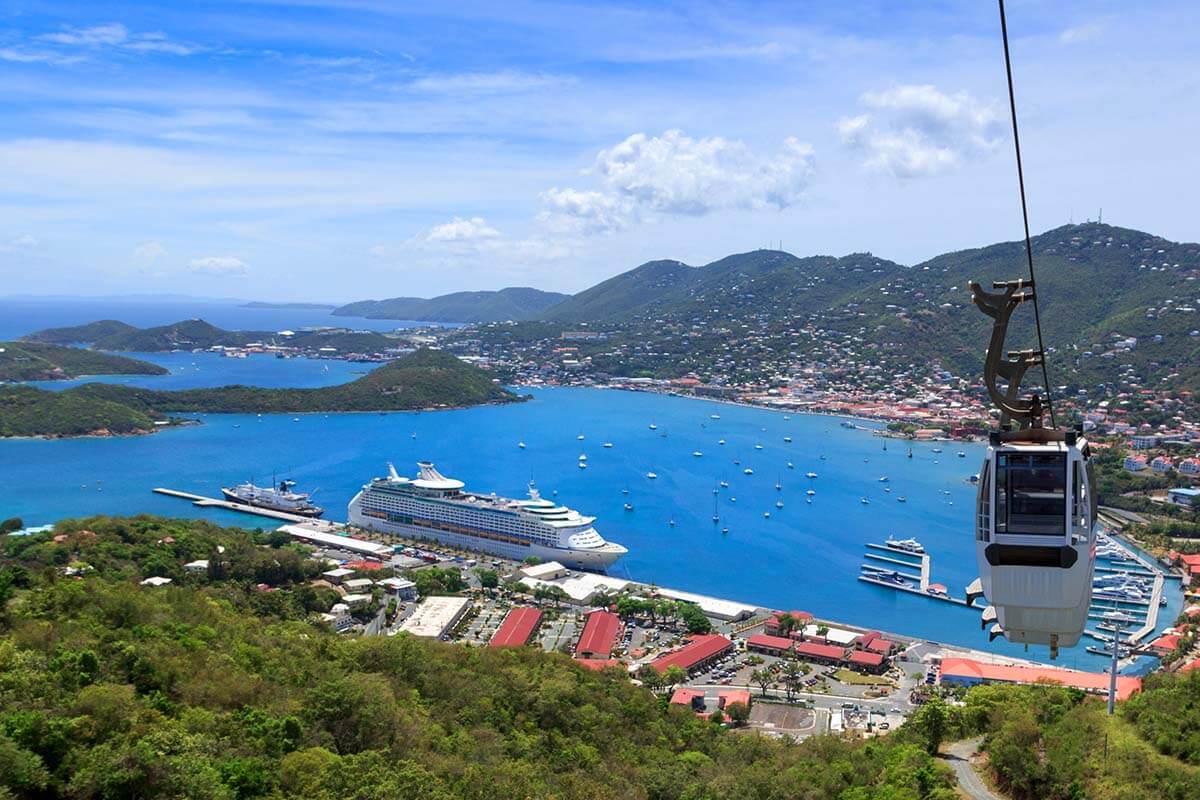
(432, 506)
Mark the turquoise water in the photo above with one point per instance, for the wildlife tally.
(805, 556)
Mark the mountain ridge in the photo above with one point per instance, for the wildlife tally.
(512, 303)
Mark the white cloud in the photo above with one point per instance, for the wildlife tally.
(218, 265)
(676, 175)
(917, 131)
(35, 57)
(114, 34)
(579, 211)
(489, 82)
(462, 230)
(110, 34)
(25, 241)
(149, 252)
(1081, 33)
(378, 251)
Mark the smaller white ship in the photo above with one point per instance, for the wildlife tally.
(651, 475)
(907, 545)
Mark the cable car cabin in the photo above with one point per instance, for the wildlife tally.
(1035, 540)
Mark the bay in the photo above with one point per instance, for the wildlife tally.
(805, 556)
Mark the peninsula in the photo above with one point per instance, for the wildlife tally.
(425, 379)
(35, 361)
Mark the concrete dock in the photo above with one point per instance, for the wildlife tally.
(213, 502)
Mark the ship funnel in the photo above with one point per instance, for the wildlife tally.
(392, 472)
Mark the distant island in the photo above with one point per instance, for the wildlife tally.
(196, 334)
(512, 304)
(35, 361)
(291, 306)
(425, 379)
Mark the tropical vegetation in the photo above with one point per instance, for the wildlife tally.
(35, 361)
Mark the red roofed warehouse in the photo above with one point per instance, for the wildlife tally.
(517, 629)
(866, 661)
(821, 653)
(771, 645)
(599, 635)
(968, 672)
(697, 653)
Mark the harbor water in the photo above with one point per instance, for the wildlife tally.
(805, 555)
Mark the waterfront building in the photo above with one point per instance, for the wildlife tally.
(801, 618)
(866, 661)
(770, 645)
(599, 635)
(436, 616)
(699, 652)
(518, 628)
(969, 672)
(820, 653)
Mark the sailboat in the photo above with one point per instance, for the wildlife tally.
(716, 517)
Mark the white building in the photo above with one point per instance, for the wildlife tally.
(435, 616)
(199, 565)
(400, 588)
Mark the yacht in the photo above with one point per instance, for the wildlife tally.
(651, 475)
(521, 445)
(907, 545)
(432, 506)
(810, 474)
(864, 501)
(747, 471)
(607, 445)
(724, 484)
(787, 439)
(275, 498)
(697, 453)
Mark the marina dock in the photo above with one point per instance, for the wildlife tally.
(213, 502)
(904, 558)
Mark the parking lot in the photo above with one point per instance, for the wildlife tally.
(784, 720)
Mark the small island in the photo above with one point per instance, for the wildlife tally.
(425, 379)
(37, 361)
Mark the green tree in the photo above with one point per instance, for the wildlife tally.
(674, 675)
(762, 678)
(488, 578)
(650, 677)
(930, 723)
(738, 713)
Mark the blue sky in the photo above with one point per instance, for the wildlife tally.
(345, 149)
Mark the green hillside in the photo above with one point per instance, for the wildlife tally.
(424, 379)
(1097, 284)
(26, 411)
(35, 361)
(212, 688)
(81, 334)
(196, 334)
(420, 380)
(514, 303)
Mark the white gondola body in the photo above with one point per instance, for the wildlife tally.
(1035, 539)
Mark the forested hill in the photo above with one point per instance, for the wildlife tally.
(197, 334)
(215, 689)
(35, 361)
(514, 303)
(426, 379)
(1097, 284)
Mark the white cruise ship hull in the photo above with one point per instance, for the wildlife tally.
(595, 559)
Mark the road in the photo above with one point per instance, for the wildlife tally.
(958, 756)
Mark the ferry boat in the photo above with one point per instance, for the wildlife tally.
(907, 545)
(432, 506)
(280, 498)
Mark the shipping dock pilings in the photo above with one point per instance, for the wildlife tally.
(901, 562)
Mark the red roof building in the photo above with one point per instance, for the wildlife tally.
(727, 697)
(365, 566)
(517, 629)
(866, 661)
(968, 672)
(881, 645)
(771, 645)
(597, 664)
(1166, 643)
(699, 651)
(771, 626)
(599, 635)
(827, 653)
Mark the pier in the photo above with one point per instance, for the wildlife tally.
(875, 553)
(244, 508)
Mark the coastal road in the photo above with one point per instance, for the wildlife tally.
(958, 756)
